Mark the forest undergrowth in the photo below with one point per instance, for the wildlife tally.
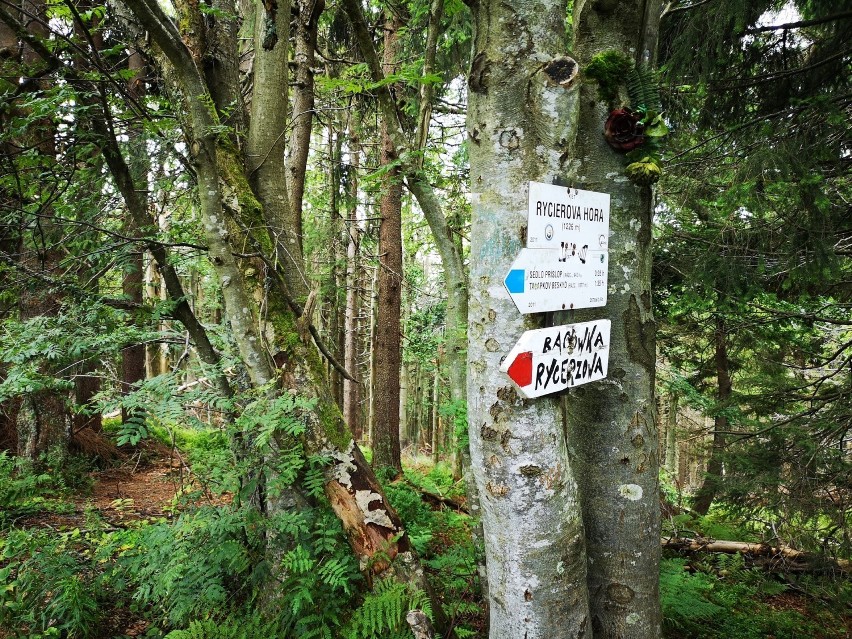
(154, 545)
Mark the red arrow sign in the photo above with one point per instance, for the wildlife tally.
(549, 360)
(521, 369)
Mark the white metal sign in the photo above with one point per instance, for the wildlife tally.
(543, 280)
(549, 360)
(567, 219)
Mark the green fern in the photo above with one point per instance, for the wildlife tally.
(231, 628)
(196, 630)
(642, 87)
(684, 595)
(382, 615)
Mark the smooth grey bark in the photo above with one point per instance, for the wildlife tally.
(612, 435)
(519, 124)
(265, 146)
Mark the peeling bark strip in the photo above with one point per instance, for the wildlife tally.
(522, 121)
(370, 523)
(419, 624)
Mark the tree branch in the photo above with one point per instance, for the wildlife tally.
(670, 9)
(800, 24)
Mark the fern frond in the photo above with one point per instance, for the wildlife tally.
(382, 615)
(642, 87)
(230, 628)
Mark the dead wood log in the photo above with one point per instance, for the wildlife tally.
(439, 500)
(420, 624)
(778, 557)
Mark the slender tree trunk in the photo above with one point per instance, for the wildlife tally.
(152, 288)
(619, 480)
(332, 288)
(372, 361)
(304, 52)
(671, 436)
(707, 492)
(387, 338)
(518, 123)
(43, 419)
(352, 389)
(133, 280)
(404, 401)
(436, 416)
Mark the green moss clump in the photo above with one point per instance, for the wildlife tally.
(645, 172)
(610, 70)
(231, 167)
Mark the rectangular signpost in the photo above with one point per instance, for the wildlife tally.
(564, 267)
(566, 262)
(541, 280)
(549, 360)
(567, 219)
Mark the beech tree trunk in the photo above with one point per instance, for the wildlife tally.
(352, 388)
(132, 283)
(374, 530)
(307, 13)
(519, 121)
(611, 424)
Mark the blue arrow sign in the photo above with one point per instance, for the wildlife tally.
(549, 279)
(515, 281)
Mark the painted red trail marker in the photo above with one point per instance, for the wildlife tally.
(549, 360)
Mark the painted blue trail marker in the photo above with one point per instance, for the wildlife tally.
(542, 280)
(515, 281)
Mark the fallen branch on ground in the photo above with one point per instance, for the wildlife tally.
(779, 557)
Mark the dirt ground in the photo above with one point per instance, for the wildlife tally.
(144, 485)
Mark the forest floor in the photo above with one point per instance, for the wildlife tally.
(145, 485)
(150, 483)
